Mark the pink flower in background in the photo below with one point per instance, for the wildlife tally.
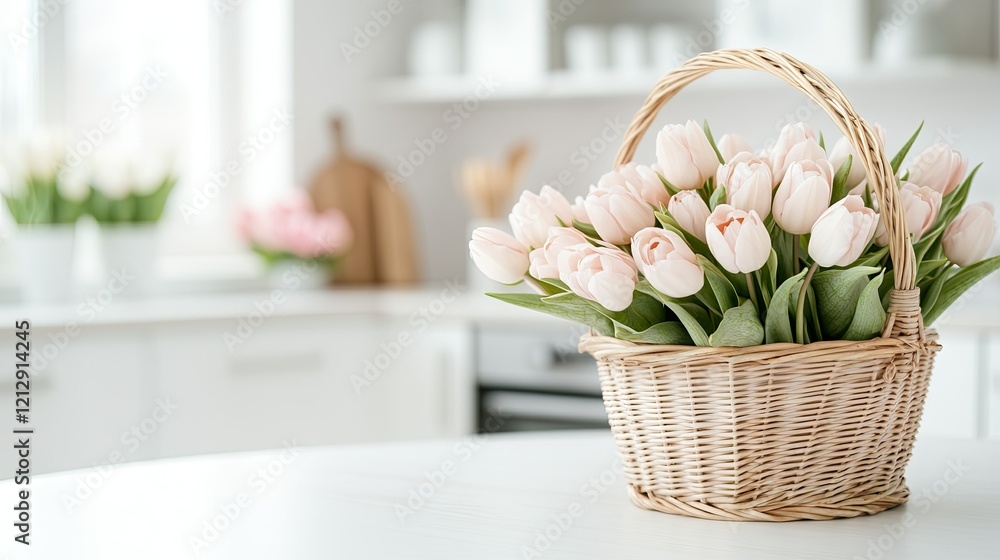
(940, 168)
(292, 225)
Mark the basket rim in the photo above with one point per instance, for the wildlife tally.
(607, 347)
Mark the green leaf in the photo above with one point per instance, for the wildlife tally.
(668, 222)
(767, 278)
(955, 201)
(777, 324)
(930, 296)
(897, 160)
(670, 188)
(840, 187)
(670, 332)
(872, 259)
(869, 317)
(566, 306)
(711, 141)
(645, 311)
(586, 229)
(551, 286)
(718, 197)
(929, 266)
(837, 293)
(740, 327)
(822, 141)
(958, 284)
(692, 316)
(722, 288)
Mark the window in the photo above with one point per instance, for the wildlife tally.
(198, 82)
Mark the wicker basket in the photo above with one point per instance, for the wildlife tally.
(778, 432)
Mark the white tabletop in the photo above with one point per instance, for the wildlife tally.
(548, 495)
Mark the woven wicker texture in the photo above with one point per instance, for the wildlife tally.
(778, 432)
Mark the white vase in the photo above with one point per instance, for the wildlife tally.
(129, 253)
(45, 260)
(291, 275)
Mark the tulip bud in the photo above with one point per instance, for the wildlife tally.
(796, 142)
(748, 183)
(617, 213)
(738, 239)
(732, 144)
(690, 212)
(605, 275)
(667, 262)
(534, 214)
(856, 177)
(685, 155)
(967, 239)
(501, 257)
(545, 259)
(803, 195)
(842, 232)
(640, 179)
(920, 206)
(939, 168)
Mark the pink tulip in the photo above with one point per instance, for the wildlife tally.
(545, 259)
(969, 237)
(642, 180)
(605, 275)
(617, 213)
(939, 168)
(921, 206)
(842, 232)
(685, 155)
(667, 262)
(738, 239)
(498, 255)
(580, 211)
(690, 212)
(732, 144)
(796, 142)
(534, 214)
(804, 193)
(856, 177)
(292, 226)
(748, 183)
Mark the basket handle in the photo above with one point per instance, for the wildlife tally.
(828, 96)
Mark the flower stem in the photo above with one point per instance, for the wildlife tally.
(800, 309)
(795, 255)
(753, 292)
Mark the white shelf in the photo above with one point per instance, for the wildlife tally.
(562, 86)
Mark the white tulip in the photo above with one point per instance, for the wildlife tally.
(498, 255)
(842, 232)
(534, 214)
(685, 156)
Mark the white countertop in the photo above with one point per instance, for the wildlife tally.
(978, 310)
(494, 496)
(385, 302)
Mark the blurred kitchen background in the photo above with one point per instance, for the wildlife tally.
(414, 122)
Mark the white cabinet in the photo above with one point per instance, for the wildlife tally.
(122, 393)
(952, 409)
(88, 398)
(991, 383)
(315, 380)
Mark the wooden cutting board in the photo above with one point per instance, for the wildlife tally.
(384, 248)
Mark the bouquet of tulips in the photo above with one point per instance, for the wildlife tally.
(292, 230)
(718, 245)
(35, 185)
(127, 187)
